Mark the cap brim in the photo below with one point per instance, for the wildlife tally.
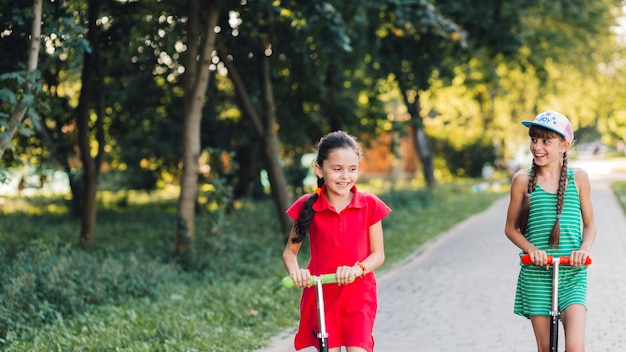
(532, 123)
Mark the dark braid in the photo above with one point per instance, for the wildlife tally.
(328, 143)
(555, 234)
(306, 215)
(521, 222)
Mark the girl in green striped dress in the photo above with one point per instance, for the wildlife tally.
(550, 214)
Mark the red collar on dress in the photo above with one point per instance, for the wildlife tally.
(358, 200)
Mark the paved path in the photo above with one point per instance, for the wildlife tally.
(456, 293)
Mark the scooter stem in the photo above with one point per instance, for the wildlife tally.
(322, 335)
(554, 313)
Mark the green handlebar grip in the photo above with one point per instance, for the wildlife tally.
(325, 278)
(288, 282)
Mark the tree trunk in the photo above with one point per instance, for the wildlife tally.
(90, 165)
(196, 83)
(277, 181)
(420, 139)
(31, 65)
(271, 145)
(265, 126)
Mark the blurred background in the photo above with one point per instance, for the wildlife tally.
(203, 108)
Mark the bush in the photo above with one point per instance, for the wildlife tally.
(42, 283)
(468, 160)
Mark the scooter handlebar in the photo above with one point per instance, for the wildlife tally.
(562, 260)
(324, 278)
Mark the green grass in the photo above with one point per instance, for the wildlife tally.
(218, 317)
(126, 294)
(619, 188)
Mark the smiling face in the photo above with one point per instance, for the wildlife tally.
(340, 171)
(546, 146)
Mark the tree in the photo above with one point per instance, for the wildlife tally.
(91, 99)
(9, 128)
(263, 116)
(413, 40)
(200, 47)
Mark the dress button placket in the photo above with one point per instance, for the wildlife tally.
(340, 227)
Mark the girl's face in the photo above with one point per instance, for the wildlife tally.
(548, 149)
(340, 171)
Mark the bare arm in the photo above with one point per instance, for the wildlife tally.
(583, 184)
(377, 248)
(519, 187)
(301, 277)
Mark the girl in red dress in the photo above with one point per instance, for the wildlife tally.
(346, 238)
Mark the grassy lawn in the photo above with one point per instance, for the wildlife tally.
(619, 188)
(127, 294)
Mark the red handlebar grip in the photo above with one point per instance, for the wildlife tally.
(565, 260)
(562, 260)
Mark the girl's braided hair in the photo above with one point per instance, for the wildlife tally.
(522, 219)
(328, 143)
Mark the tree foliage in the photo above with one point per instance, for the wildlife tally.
(462, 74)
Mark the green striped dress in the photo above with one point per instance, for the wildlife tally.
(533, 296)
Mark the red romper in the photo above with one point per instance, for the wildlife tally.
(335, 240)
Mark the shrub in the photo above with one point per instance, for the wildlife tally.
(42, 283)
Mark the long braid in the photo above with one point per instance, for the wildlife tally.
(555, 234)
(306, 215)
(522, 217)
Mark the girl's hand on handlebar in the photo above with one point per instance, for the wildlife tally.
(301, 278)
(346, 274)
(578, 258)
(539, 257)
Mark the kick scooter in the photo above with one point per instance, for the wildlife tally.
(555, 312)
(318, 281)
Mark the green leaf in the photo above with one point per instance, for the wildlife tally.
(7, 96)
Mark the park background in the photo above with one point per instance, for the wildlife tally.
(149, 148)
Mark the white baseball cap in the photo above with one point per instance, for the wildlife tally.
(553, 121)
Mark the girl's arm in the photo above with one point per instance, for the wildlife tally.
(519, 187)
(377, 249)
(301, 277)
(345, 274)
(578, 257)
